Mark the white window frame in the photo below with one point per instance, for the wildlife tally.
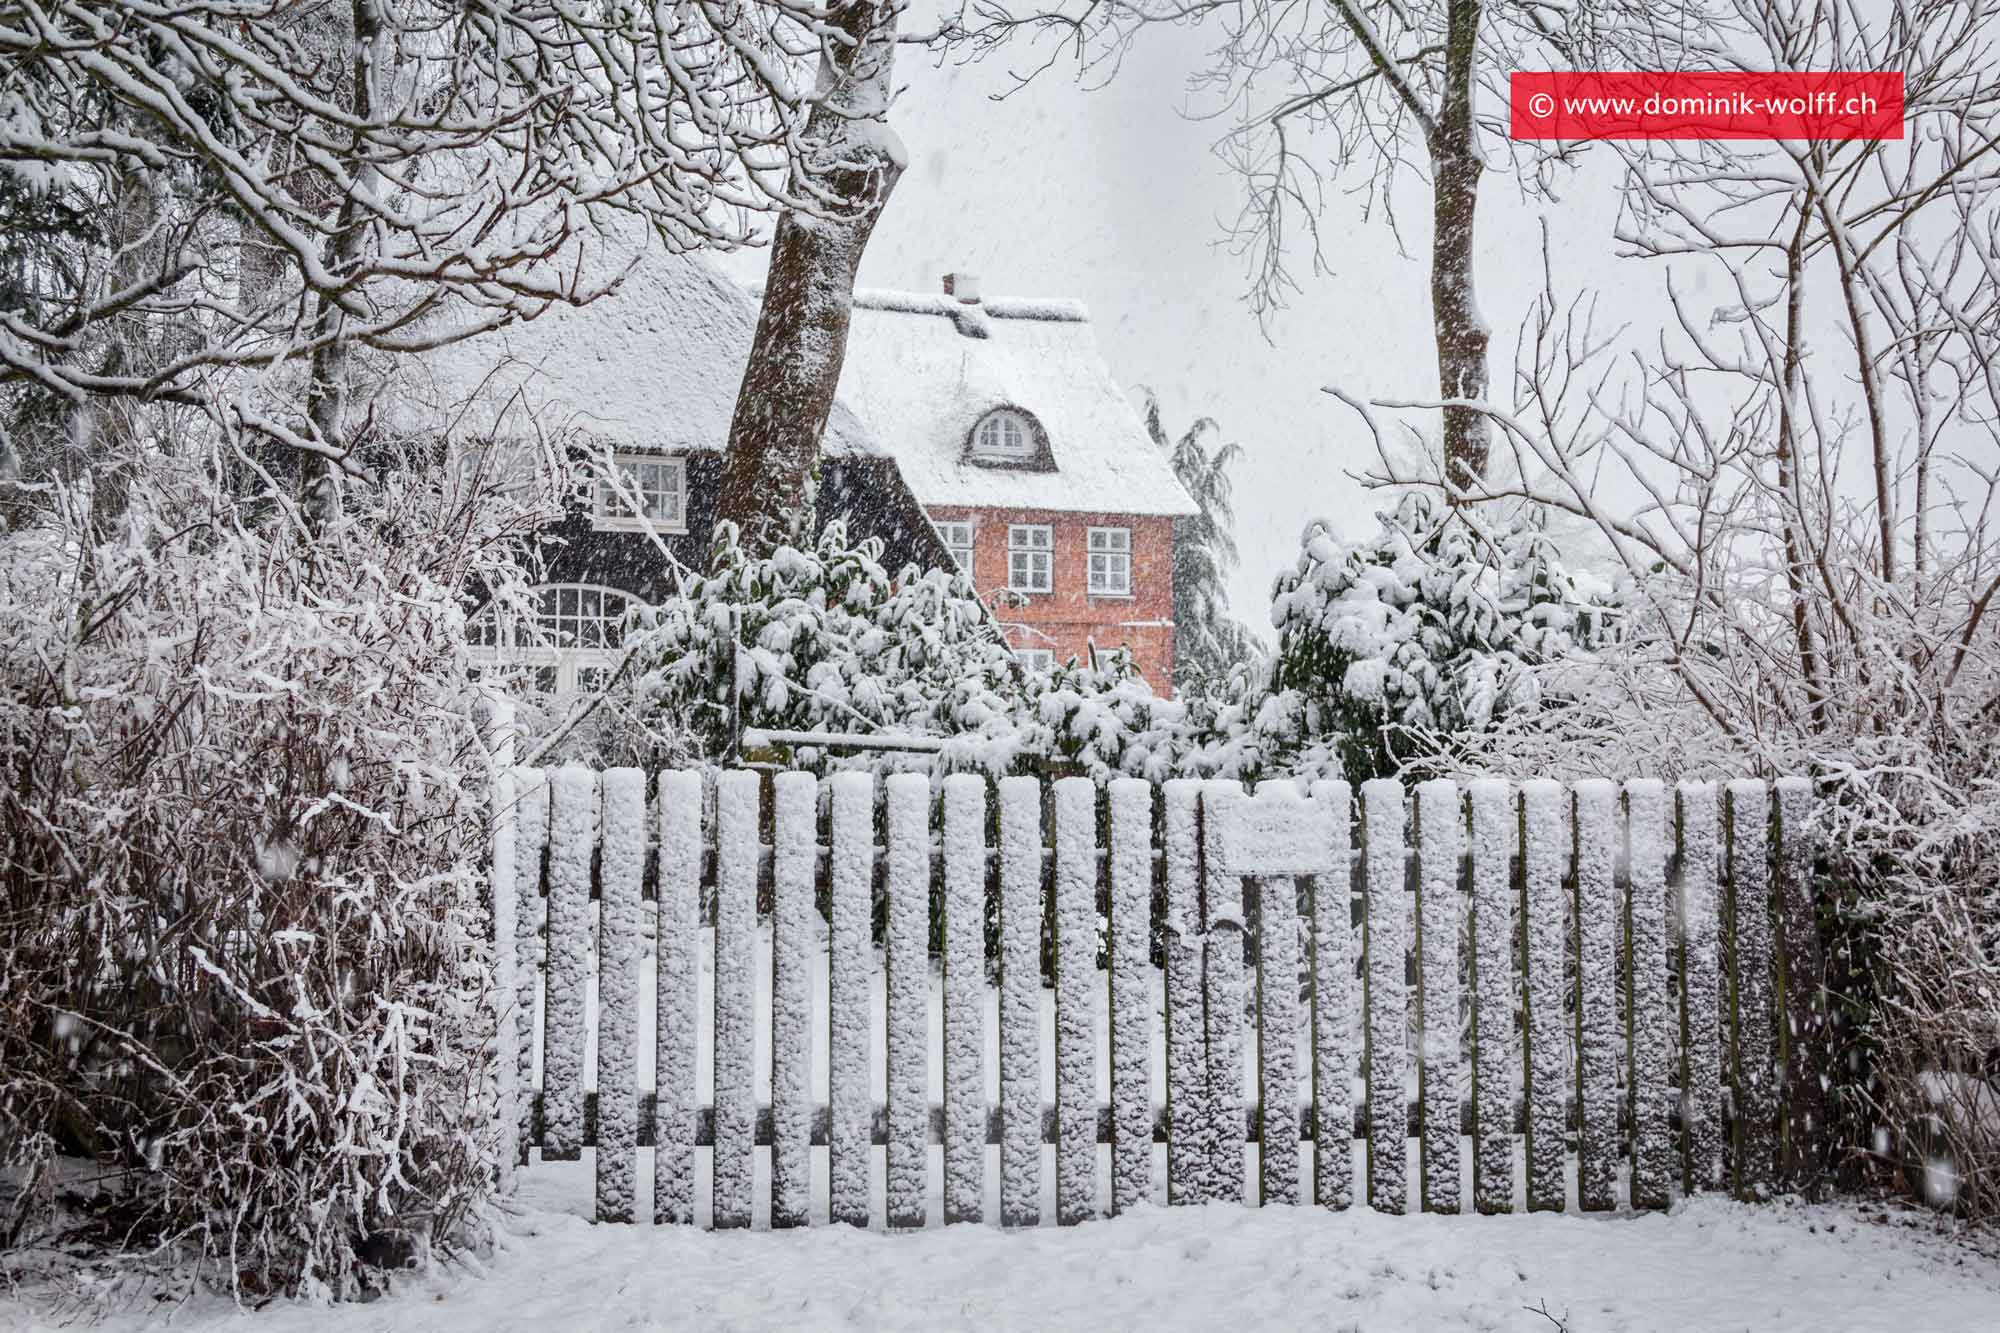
(610, 513)
(1036, 659)
(1025, 541)
(957, 535)
(1110, 553)
(989, 437)
(494, 640)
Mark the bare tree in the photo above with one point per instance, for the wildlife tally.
(1371, 89)
(407, 172)
(801, 339)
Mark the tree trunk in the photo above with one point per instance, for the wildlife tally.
(1459, 328)
(801, 338)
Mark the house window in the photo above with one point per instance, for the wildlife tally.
(573, 641)
(1035, 659)
(1030, 557)
(958, 540)
(648, 494)
(1111, 562)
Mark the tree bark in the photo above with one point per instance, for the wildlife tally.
(801, 339)
(1457, 325)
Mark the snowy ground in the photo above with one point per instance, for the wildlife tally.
(1710, 1264)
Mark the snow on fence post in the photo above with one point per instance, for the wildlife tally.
(1076, 969)
(622, 870)
(909, 801)
(1494, 1054)
(964, 997)
(506, 1082)
(794, 833)
(531, 836)
(1131, 1001)
(1698, 901)
(1332, 1038)
(1278, 1024)
(1222, 1002)
(1187, 1058)
(1384, 938)
(572, 838)
(736, 855)
(1020, 1001)
(1747, 824)
(1545, 1077)
(849, 962)
(1440, 836)
(1594, 809)
(1647, 1045)
(676, 938)
(1802, 1027)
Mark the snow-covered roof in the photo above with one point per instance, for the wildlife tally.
(922, 370)
(653, 365)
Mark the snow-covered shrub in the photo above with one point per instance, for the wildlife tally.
(830, 642)
(243, 958)
(1431, 629)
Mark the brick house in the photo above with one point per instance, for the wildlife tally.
(1030, 461)
(986, 431)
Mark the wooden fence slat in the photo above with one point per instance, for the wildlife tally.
(1494, 1052)
(1698, 904)
(1594, 811)
(531, 837)
(1384, 937)
(1076, 971)
(736, 837)
(678, 936)
(909, 802)
(1020, 1001)
(1277, 1026)
(794, 831)
(1222, 1007)
(1746, 825)
(1440, 836)
(1131, 999)
(572, 837)
(622, 868)
(510, 1090)
(850, 963)
(1332, 1034)
(1545, 1071)
(1647, 1031)
(1803, 1034)
(1187, 1061)
(964, 997)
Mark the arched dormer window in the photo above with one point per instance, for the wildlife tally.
(573, 641)
(1009, 437)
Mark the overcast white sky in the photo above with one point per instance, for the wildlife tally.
(1113, 197)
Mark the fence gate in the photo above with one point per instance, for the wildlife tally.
(1541, 969)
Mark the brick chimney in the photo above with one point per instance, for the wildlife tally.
(962, 287)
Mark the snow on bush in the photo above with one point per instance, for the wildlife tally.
(243, 953)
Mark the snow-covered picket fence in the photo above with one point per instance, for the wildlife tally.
(1582, 974)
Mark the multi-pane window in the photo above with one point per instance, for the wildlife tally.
(650, 492)
(1030, 557)
(958, 540)
(1004, 436)
(573, 639)
(1111, 561)
(1036, 659)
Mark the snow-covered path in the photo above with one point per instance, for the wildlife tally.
(1708, 1265)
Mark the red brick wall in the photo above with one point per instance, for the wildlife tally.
(1067, 617)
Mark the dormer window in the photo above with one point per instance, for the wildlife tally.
(1009, 437)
